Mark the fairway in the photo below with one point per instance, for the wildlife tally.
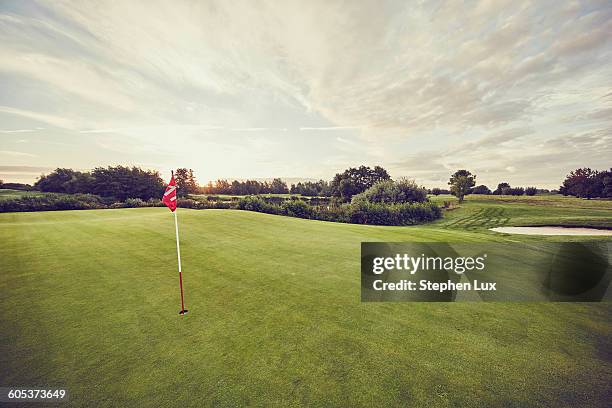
(90, 302)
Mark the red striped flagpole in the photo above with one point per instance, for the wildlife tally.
(170, 199)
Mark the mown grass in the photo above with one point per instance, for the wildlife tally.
(481, 212)
(89, 301)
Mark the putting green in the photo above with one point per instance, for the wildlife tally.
(90, 302)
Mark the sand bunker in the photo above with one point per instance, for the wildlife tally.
(552, 231)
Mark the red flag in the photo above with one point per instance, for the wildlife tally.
(169, 197)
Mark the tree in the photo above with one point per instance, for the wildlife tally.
(192, 184)
(516, 191)
(356, 180)
(121, 182)
(312, 189)
(278, 186)
(606, 183)
(531, 191)
(461, 183)
(481, 189)
(65, 181)
(582, 183)
(185, 182)
(502, 189)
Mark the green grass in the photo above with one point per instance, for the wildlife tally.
(480, 212)
(89, 301)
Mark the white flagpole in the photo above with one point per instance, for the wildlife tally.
(178, 254)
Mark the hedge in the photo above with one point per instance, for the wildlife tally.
(357, 213)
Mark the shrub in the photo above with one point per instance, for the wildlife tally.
(437, 191)
(296, 208)
(340, 213)
(361, 212)
(481, 189)
(388, 191)
(154, 202)
(394, 214)
(135, 203)
(52, 202)
(254, 203)
(191, 203)
(319, 201)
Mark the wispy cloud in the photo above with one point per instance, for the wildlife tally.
(257, 129)
(17, 154)
(323, 128)
(39, 117)
(18, 131)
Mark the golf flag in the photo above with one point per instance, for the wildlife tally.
(169, 197)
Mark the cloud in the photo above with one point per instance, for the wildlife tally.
(18, 131)
(39, 117)
(18, 154)
(324, 128)
(421, 88)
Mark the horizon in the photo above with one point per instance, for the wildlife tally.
(515, 93)
(288, 180)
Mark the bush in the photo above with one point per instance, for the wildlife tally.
(361, 212)
(297, 208)
(388, 191)
(437, 191)
(481, 189)
(135, 203)
(394, 214)
(340, 213)
(52, 202)
(254, 203)
(319, 201)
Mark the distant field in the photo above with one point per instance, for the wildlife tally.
(7, 193)
(89, 301)
(481, 212)
(230, 196)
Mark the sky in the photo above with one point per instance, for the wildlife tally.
(513, 91)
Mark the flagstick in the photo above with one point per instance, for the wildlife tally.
(178, 253)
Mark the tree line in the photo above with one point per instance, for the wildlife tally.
(463, 183)
(247, 187)
(588, 183)
(122, 182)
(118, 182)
(581, 183)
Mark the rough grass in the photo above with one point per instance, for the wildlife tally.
(89, 301)
(7, 193)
